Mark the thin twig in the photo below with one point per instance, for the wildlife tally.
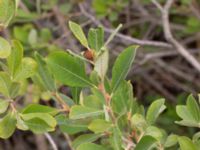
(51, 141)
(123, 37)
(169, 37)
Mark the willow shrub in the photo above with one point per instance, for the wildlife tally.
(101, 113)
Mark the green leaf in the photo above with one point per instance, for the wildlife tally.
(3, 105)
(70, 126)
(48, 119)
(122, 98)
(15, 58)
(122, 66)
(85, 138)
(38, 126)
(171, 140)
(186, 144)
(193, 108)
(96, 38)
(78, 33)
(99, 126)
(68, 69)
(101, 64)
(90, 146)
(37, 108)
(116, 139)
(138, 121)
(80, 112)
(146, 143)
(7, 125)
(5, 84)
(5, 48)
(33, 37)
(154, 132)
(183, 112)
(27, 69)
(45, 74)
(7, 11)
(188, 113)
(155, 109)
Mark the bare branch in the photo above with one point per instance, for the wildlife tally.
(122, 36)
(169, 37)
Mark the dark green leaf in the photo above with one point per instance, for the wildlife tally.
(122, 66)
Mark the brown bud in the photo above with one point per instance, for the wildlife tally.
(89, 54)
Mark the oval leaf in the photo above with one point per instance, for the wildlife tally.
(68, 69)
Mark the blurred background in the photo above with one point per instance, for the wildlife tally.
(159, 70)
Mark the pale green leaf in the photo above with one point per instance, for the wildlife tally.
(186, 144)
(99, 126)
(3, 105)
(78, 33)
(5, 84)
(7, 11)
(15, 58)
(193, 108)
(5, 48)
(7, 125)
(70, 126)
(80, 112)
(155, 109)
(101, 64)
(171, 140)
(27, 69)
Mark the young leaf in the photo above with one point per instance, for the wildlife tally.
(78, 33)
(5, 48)
(156, 108)
(96, 38)
(3, 105)
(7, 11)
(7, 125)
(80, 112)
(99, 126)
(90, 146)
(27, 69)
(186, 144)
(101, 64)
(85, 138)
(44, 73)
(70, 126)
(15, 58)
(146, 143)
(68, 69)
(122, 66)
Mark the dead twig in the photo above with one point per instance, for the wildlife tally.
(169, 37)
